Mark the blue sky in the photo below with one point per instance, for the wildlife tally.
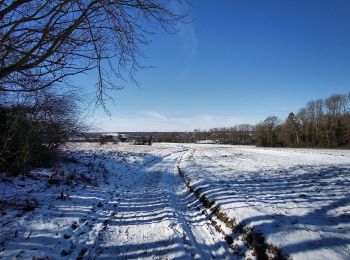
(237, 62)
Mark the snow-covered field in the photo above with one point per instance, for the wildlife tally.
(299, 199)
(125, 201)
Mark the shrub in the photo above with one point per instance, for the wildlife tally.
(31, 134)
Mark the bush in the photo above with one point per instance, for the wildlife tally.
(103, 139)
(22, 141)
(30, 135)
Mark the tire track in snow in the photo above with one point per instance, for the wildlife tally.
(156, 220)
(204, 240)
(195, 228)
(140, 216)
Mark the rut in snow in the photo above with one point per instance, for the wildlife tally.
(155, 217)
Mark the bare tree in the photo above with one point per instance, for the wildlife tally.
(267, 132)
(336, 109)
(42, 42)
(291, 131)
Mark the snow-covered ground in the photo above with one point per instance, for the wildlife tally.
(126, 201)
(108, 202)
(299, 199)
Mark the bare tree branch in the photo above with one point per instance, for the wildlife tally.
(44, 42)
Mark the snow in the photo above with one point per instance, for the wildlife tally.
(128, 201)
(299, 199)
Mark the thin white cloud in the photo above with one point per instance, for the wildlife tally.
(155, 115)
(156, 122)
(188, 40)
(189, 46)
(206, 118)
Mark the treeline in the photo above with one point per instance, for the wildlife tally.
(321, 123)
(239, 134)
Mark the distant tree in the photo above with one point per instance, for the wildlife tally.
(347, 122)
(245, 132)
(42, 42)
(291, 131)
(267, 133)
(322, 123)
(311, 119)
(336, 108)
